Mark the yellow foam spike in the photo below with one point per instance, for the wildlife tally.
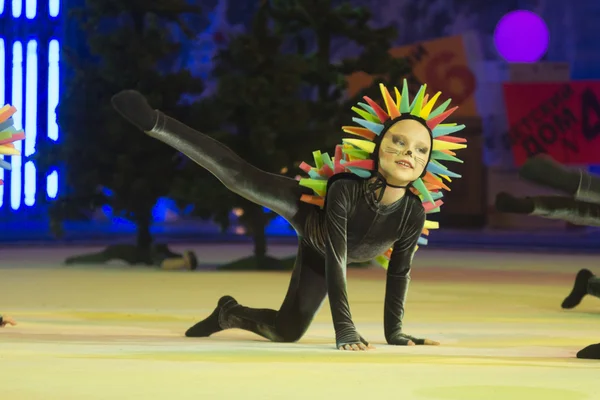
(398, 97)
(442, 145)
(365, 145)
(318, 160)
(429, 106)
(432, 225)
(9, 151)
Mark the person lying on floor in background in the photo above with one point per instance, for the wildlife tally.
(581, 206)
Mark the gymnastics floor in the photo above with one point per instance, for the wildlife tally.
(116, 332)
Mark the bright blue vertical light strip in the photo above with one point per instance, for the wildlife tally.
(1, 7)
(2, 101)
(31, 91)
(30, 8)
(17, 101)
(17, 8)
(53, 93)
(54, 7)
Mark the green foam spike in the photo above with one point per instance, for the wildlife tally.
(417, 103)
(440, 109)
(7, 133)
(438, 155)
(314, 184)
(420, 186)
(363, 155)
(318, 159)
(327, 159)
(404, 105)
(433, 211)
(366, 115)
(384, 262)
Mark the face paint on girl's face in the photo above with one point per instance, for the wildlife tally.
(404, 151)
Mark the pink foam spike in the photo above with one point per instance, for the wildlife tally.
(14, 138)
(305, 167)
(364, 164)
(383, 116)
(338, 167)
(326, 171)
(435, 121)
(451, 139)
(432, 206)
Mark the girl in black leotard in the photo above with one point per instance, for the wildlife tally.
(581, 206)
(368, 202)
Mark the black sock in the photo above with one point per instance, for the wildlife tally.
(210, 325)
(579, 289)
(507, 203)
(134, 107)
(592, 352)
(543, 170)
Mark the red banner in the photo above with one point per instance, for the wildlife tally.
(559, 119)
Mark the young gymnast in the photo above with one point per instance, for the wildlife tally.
(368, 202)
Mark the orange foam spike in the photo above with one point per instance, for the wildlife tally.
(425, 231)
(388, 253)
(391, 106)
(449, 152)
(338, 167)
(435, 121)
(315, 200)
(6, 112)
(362, 132)
(451, 139)
(378, 110)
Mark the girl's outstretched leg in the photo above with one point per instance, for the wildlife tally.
(305, 295)
(278, 193)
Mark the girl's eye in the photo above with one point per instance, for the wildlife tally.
(422, 150)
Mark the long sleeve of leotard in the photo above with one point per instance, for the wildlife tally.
(336, 217)
(398, 279)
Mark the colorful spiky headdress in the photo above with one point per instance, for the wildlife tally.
(8, 135)
(358, 155)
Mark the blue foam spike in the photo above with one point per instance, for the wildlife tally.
(7, 124)
(368, 108)
(5, 165)
(327, 160)
(422, 241)
(372, 126)
(446, 130)
(314, 174)
(436, 195)
(438, 170)
(363, 173)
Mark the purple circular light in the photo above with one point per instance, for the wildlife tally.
(521, 37)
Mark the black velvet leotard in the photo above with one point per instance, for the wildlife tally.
(352, 227)
(355, 228)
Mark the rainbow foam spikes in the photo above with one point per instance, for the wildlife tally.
(8, 135)
(372, 116)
